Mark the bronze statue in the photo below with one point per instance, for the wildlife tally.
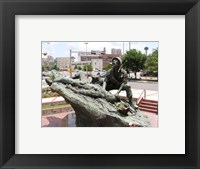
(116, 78)
(94, 106)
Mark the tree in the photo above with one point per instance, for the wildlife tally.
(79, 68)
(88, 67)
(55, 67)
(75, 67)
(152, 62)
(107, 67)
(47, 68)
(134, 61)
(43, 68)
(84, 67)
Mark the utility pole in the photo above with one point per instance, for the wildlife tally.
(86, 43)
(123, 48)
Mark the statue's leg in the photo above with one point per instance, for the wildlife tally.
(129, 94)
(109, 87)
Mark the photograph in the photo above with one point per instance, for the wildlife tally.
(99, 84)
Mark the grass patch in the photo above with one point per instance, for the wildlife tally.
(55, 106)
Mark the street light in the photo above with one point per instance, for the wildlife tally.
(45, 53)
(86, 43)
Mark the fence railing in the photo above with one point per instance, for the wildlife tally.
(142, 96)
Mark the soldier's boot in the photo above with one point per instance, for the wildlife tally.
(129, 95)
(131, 102)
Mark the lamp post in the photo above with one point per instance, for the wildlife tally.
(86, 43)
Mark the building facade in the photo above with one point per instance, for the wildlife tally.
(116, 51)
(62, 62)
(48, 62)
(93, 54)
(80, 63)
(97, 64)
(100, 56)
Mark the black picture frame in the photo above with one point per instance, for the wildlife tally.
(10, 8)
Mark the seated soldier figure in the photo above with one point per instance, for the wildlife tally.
(116, 78)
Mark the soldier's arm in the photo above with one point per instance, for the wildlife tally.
(114, 81)
(125, 77)
(123, 82)
(122, 85)
(106, 79)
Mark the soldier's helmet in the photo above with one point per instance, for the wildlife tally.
(116, 59)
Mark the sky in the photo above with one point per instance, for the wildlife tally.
(61, 49)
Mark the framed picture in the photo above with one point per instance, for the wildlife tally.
(174, 139)
(90, 65)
